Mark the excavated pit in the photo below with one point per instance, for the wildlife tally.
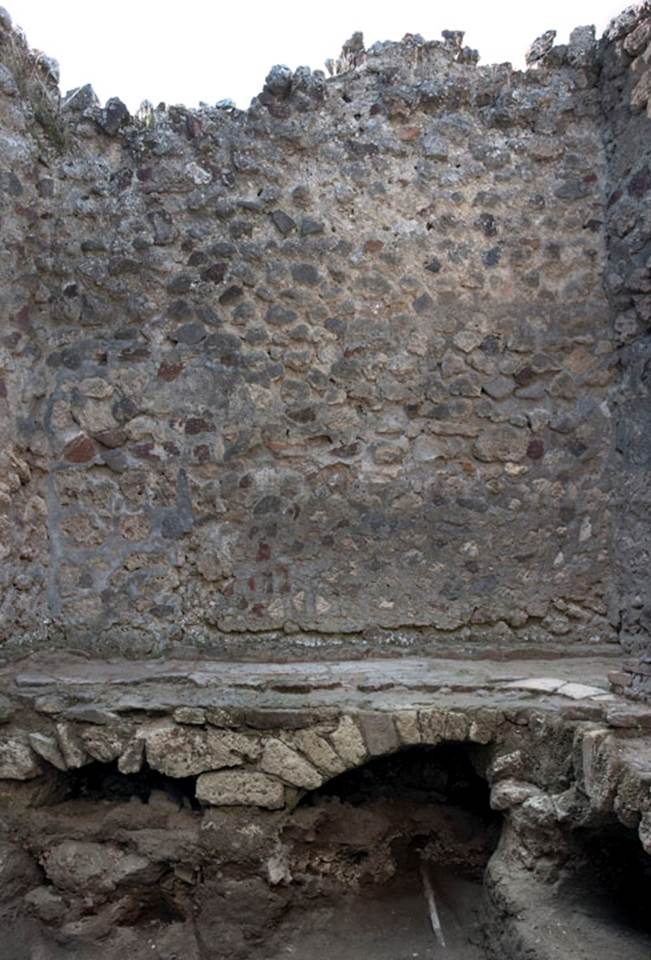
(183, 819)
(362, 845)
(103, 864)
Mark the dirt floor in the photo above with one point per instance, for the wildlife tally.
(392, 923)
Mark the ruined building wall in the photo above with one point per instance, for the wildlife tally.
(332, 374)
(626, 86)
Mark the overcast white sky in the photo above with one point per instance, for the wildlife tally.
(184, 51)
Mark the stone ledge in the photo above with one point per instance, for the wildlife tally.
(249, 741)
(634, 679)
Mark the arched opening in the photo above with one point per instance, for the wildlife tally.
(609, 883)
(617, 875)
(384, 853)
(98, 782)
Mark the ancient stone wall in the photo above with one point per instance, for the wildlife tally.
(360, 370)
(331, 373)
(626, 86)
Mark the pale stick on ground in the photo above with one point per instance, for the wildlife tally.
(431, 904)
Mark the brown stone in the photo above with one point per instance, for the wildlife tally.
(536, 449)
(409, 134)
(79, 450)
(169, 370)
(111, 438)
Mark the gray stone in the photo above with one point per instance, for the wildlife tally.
(499, 387)
(90, 714)
(46, 904)
(509, 765)
(501, 444)
(132, 757)
(193, 716)
(80, 99)
(278, 81)
(435, 147)
(17, 759)
(432, 725)
(456, 726)
(49, 67)
(348, 742)
(539, 810)
(71, 746)
(104, 743)
(94, 867)
(114, 116)
(600, 767)
(512, 793)
(540, 47)
(282, 222)
(637, 40)
(306, 273)
(18, 870)
(379, 732)
(572, 190)
(8, 85)
(536, 684)
(50, 704)
(47, 748)
(579, 691)
(408, 727)
(189, 333)
(7, 709)
(582, 45)
(310, 227)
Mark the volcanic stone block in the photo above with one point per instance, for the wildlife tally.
(283, 762)
(379, 732)
(408, 727)
(184, 752)
(502, 444)
(71, 747)
(511, 793)
(48, 748)
(319, 752)
(601, 767)
(17, 759)
(432, 725)
(227, 788)
(131, 759)
(348, 742)
(104, 743)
